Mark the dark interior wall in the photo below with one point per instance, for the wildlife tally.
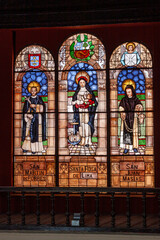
(6, 107)
(52, 38)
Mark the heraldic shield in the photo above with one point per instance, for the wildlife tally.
(34, 60)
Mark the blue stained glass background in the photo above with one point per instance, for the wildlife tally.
(136, 75)
(72, 85)
(38, 76)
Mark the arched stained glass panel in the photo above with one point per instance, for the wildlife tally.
(34, 118)
(82, 112)
(131, 103)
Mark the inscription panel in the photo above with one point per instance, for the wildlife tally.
(132, 166)
(132, 178)
(83, 171)
(34, 171)
(132, 171)
(89, 175)
(86, 169)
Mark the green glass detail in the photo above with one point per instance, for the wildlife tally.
(70, 94)
(140, 97)
(120, 97)
(95, 93)
(45, 99)
(94, 139)
(45, 143)
(140, 142)
(23, 99)
(72, 50)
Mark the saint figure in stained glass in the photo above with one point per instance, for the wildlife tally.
(131, 117)
(84, 107)
(34, 121)
(130, 56)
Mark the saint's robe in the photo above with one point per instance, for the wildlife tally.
(129, 126)
(34, 127)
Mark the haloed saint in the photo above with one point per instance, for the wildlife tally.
(84, 108)
(34, 121)
(132, 117)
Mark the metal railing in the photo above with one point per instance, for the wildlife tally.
(10, 194)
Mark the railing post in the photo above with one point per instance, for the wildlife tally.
(23, 209)
(8, 208)
(144, 209)
(82, 210)
(67, 210)
(113, 210)
(97, 209)
(128, 211)
(38, 209)
(52, 210)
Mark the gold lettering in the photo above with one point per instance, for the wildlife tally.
(80, 169)
(131, 166)
(132, 178)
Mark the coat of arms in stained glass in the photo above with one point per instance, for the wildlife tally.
(34, 60)
(82, 49)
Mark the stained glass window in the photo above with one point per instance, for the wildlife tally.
(131, 116)
(82, 112)
(81, 116)
(34, 118)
